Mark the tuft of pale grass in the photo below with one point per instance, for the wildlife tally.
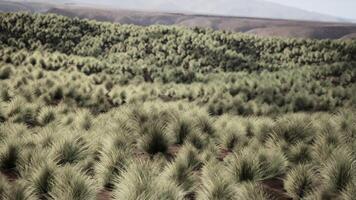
(181, 170)
(272, 162)
(72, 184)
(179, 128)
(294, 128)
(244, 167)
(349, 192)
(41, 181)
(9, 154)
(136, 181)
(70, 149)
(300, 153)
(84, 120)
(253, 191)
(165, 189)
(155, 140)
(4, 188)
(46, 116)
(113, 158)
(300, 181)
(232, 139)
(339, 171)
(215, 184)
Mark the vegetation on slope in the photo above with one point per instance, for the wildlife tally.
(171, 113)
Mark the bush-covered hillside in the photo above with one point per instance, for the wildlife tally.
(98, 110)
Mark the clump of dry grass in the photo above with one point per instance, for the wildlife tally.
(70, 183)
(301, 181)
(216, 184)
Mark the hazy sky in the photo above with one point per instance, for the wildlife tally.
(340, 8)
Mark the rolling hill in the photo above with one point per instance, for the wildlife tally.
(251, 25)
(96, 110)
(257, 26)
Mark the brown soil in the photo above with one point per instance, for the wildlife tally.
(10, 175)
(274, 187)
(104, 195)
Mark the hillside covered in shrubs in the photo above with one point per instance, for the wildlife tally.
(100, 110)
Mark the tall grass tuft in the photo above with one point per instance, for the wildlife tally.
(84, 120)
(300, 153)
(46, 116)
(294, 128)
(181, 170)
(4, 188)
(164, 189)
(112, 160)
(253, 191)
(70, 149)
(349, 192)
(154, 140)
(20, 191)
(244, 167)
(41, 181)
(180, 128)
(9, 155)
(232, 139)
(205, 124)
(5, 72)
(272, 162)
(136, 181)
(301, 181)
(324, 146)
(215, 184)
(72, 184)
(31, 159)
(339, 171)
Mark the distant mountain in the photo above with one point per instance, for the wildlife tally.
(242, 8)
